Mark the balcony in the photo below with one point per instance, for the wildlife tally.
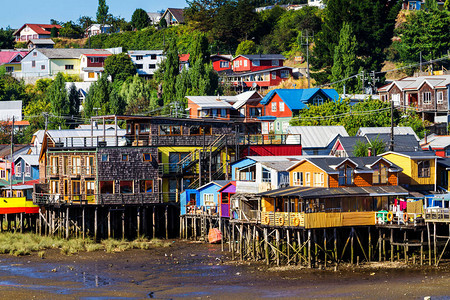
(75, 171)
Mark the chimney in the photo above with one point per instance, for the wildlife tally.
(425, 138)
(369, 151)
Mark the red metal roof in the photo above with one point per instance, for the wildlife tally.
(8, 56)
(38, 28)
(89, 55)
(30, 182)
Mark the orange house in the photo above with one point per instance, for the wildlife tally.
(334, 172)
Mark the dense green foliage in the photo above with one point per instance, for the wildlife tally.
(6, 38)
(140, 19)
(119, 66)
(246, 47)
(102, 12)
(376, 145)
(426, 32)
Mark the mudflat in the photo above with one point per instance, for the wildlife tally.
(198, 271)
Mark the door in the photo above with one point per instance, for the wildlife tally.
(225, 205)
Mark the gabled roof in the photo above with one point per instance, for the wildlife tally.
(177, 13)
(220, 183)
(31, 159)
(209, 102)
(224, 56)
(261, 56)
(8, 56)
(241, 74)
(61, 53)
(415, 83)
(279, 166)
(298, 98)
(227, 185)
(317, 136)
(41, 42)
(38, 28)
(436, 142)
(379, 130)
(145, 52)
(348, 143)
(413, 154)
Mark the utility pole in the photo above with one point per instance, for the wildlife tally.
(305, 42)
(420, 61)
(391, 144)
(373, 82)
(362, 75)
(12, 159)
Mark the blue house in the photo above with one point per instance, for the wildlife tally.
(208, 197)
(188, 198)
(26, 167)
(283, 104)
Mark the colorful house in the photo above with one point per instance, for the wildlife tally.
(283, 104)
(92, 65)
(146, 61)
(34, 31)
(226, 192)
(188, 201)
(419, 170)
(316, 140)
(27, 167)
(11, 60)
(439, 144)
(221, 62)
(209, 196)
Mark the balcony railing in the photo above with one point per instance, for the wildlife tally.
(71, 171)
(398, 218)
(132, 198)
(433, 214)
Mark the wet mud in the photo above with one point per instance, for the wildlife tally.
(200, 271)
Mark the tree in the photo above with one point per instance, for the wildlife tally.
(11, 88)
(85, 22)
(201, 13)
(54, 32)
(246, 47)
(74, 100)
(376, 145)
(136, 94)
(98, 98)
(140, 19)
(171, 70)
(59, 102)
(163, 23)
(71, 30)
(119, 66)
(6, 38)
(345, 61)
(102, 12)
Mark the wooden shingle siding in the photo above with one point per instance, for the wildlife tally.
(392, 179)
(363, 179)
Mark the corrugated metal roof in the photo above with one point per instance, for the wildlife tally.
(61, 53)
(298, 98)
(437, 142)
(82, 138)
(262, 56)
(397, 130)
(209, 102)
(31, 159)
(145, 52)
(317, 136)
(318, 192)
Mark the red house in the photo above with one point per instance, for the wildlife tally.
(262, 70)
(221, 62)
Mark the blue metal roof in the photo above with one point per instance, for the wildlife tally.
(298, 98)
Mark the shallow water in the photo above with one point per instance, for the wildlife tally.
(192, 270)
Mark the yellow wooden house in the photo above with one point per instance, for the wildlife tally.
(419, 168)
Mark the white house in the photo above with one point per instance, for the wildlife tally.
(10, 109)
(96, 29)
(146, 61)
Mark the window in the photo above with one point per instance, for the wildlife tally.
(426, 97)
(153, 56)
(76, 187)
(91, 75)
(208, 199)
(53, 165)
(2, 173)
(147, 157)
(256, 63)
(318, 100)
(33, 63)
(307, 179)
(298, 178)
(107, 187)
(224, 64)
(345, 175)
(90, 187)
(380, 174)
(94, 60)
(54, 187)
(281, 104)
(144, 128)
(423, 167)
(318, 179)
(284, 74)
(19, 169)
(245, 63)
(265, 175)
(69, 67)
(152, 66)
(76, 165)
(440, 97)
(275, 62)
(105, 157)
(124, 157)
(274, 106)
(139, 66)
(274, 75)
(35, 53)
(9, 69)
(396, 99)
(27, 170)
(278, 126)
(169, 130)
(198, 130)
(236, 64)
(223, 112)
(126, 187)
(146, 186)
(139, 57)
(90, 165)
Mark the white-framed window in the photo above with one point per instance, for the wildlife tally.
(9, 69)
(275, 62)
(68, 67)
(274, 75)
(396, 99)
(245, 63)
(266, 175)
(284, 74)
(139, 57)
(256, 63)
(281, 104)
(298, 178)
(224, 64)
(94, 60)
(33, 63)
(307, 179)
(426, 97)
(208, 199)
(2, 174)
(440, 97)
(274, 106)
(278, 127)
(318, 179)
(19, 169)
(27, 170)
(236, 64)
